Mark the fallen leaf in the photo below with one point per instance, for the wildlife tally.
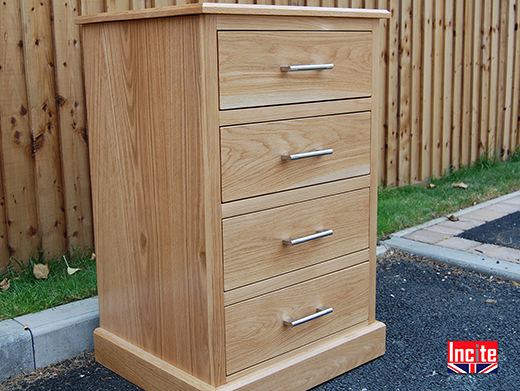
(460, 185)
(40, 271)
(515, 283)
(93, 257)
(453, 218)
(431, 186)
(5, 284)
(70, 270)
(491, 301)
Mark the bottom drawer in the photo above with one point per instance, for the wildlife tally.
(255, 329)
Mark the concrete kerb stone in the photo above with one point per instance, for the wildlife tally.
(16, 353)
(35, 341)
(62, 332)
(478, 263)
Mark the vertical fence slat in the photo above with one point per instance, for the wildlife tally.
(438, 75)
(485, 77)
(138, 4)
(458, 61)
(89, 7)
(494, 73)
(118, 5)
(476, 88)
(448, 85)
(465, 149)
(415, 114)
(508, 80)
(72, 124)
(41, 93)
(427, 89)
(164, 3)
(19, 223)
(515, 119)
(393, 96)
(383, 85)
(405, 70)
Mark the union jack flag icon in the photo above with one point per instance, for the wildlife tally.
(472, 368)
(472, 356)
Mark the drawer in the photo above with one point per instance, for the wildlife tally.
(254, 247)
(255, 329)
(250, 61)
(252, 155)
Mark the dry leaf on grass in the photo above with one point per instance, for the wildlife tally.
(5, 284)
(453, 218)
(40, 271)
(431, 186)
(70, 270)
(460, 185)
(93, 257)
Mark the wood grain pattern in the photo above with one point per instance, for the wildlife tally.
(249, 67)
(253, 248)
(136, 174)
(458, 80)
(447, 104)
(272, 284)
(251, 154)
(21, 233)
(282, 23)
(233, 9)
(274, 113)
(42, 111)
(72, 125)
(392, 79)
(324, 359)
(255, 331)
(269, 201)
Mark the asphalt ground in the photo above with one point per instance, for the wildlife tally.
(424, 304)
(504, 231)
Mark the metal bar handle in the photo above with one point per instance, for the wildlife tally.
(303, 155)
(320, 311)
(309, 67)
(317, 235)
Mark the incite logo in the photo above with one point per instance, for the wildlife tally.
(472, 356)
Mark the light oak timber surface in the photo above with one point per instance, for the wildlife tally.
(269, 201)
(181, 273)
(140, 151)
(323, 359)
(294, 277)
(251, 154)
(234, 9)
(253, 247)
(255, 330)
(250, 61)
(301, 110)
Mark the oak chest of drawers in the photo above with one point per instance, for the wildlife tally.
(233, 172)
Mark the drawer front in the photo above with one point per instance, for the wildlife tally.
(253, 244)
(252, 155)
(250, 61)
(255, 329)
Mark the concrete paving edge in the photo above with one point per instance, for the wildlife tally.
(478, 263)
(37, 340)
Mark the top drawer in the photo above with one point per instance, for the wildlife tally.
(250, 64)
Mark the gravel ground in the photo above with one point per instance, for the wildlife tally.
(424, 304)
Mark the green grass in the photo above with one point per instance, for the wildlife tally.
(400, 208)
(27, 294)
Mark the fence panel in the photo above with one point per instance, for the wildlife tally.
(450, 92)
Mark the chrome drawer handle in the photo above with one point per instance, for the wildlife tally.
(303, 155)
(310, 67)
(317, 235)
(320, 311)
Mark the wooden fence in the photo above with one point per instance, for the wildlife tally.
(451, 72)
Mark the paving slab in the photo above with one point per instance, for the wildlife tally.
(460, 244)
(16, 354)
